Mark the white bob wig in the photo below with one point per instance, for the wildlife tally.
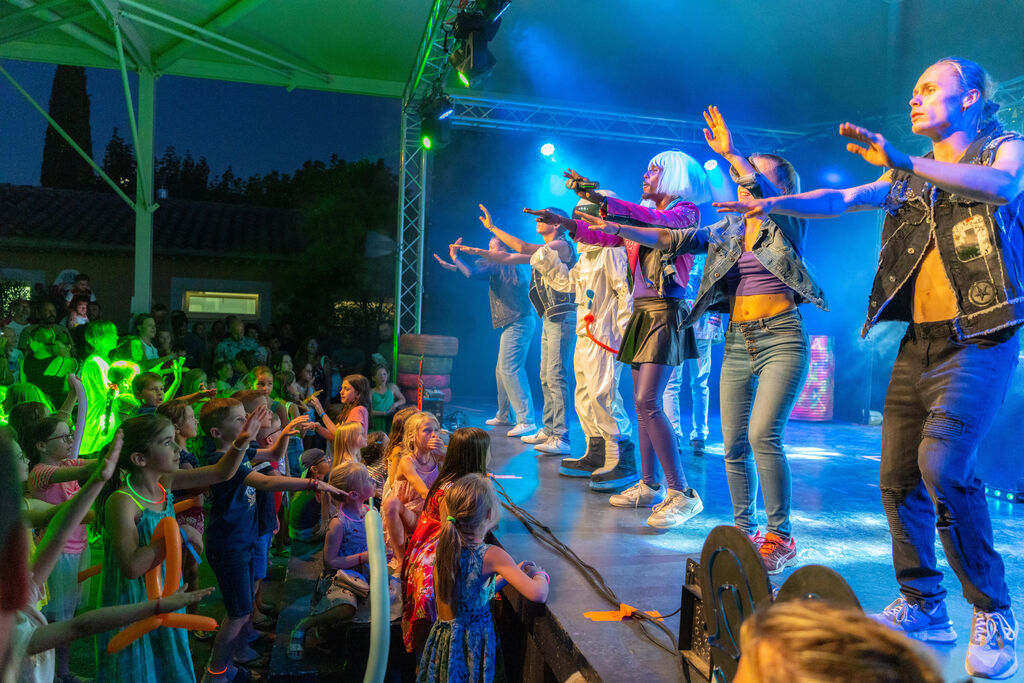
(681, 176)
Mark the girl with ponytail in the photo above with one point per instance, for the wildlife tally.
(464, 576)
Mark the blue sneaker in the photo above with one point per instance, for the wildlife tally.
(929, 627)
(992, 650)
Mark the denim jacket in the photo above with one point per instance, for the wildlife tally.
(548, 302)
(508, 297)
(777, 246)
(981, 246)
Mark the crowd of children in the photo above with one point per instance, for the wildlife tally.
(127, 434)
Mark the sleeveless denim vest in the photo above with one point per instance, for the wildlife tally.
(550, 303)
(981, 246)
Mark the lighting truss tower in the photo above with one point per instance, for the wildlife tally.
(431, 64)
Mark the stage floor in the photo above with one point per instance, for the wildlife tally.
(837, 521)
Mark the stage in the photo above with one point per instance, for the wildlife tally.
(837, 521)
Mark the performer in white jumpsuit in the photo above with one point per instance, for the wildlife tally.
(601, 284)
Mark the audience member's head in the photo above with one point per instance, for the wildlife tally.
(375, 448)
(46, 312)
(25, 392)
(148, 389)
(467, 453)
(223, 419)
(315, 463)
(469, 510)
(101, 335)
(810, 641)
(145, 327)
(21, 309)
(94, 311)
(349, 439)
(23, 414)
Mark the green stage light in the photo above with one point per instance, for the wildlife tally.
(425, 140)
(463, 78)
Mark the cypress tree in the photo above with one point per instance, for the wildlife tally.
(69, 106)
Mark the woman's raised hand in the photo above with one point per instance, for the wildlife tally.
(876, 150)
(717, 134)
(750, 208)
(454, 248)
(486, 218)
(601, 224)
(445, 264)
(550, 217)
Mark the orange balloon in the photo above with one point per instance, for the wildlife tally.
(132, 633)
(186, 504)
(191, 622)
(167, 531)
(90, 572)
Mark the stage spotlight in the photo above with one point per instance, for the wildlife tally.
(710, 165)
(475, 28)
(833, 177)
(435, 110)
(547, 149)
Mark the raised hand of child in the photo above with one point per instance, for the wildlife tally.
(106, 467)
(296, 426)
(252, 425)
(182, 599)
(203, 394)
(323, 486)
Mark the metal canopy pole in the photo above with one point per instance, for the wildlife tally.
(143, 291)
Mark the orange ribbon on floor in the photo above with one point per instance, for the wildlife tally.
(161, 587)
(624, 612)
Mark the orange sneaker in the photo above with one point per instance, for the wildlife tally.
(777, 553)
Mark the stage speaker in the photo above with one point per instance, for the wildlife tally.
(693, 628)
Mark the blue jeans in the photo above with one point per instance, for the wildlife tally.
(510, 371)
(699, 370)
(557, 339)
(942, 399)
(763, 370)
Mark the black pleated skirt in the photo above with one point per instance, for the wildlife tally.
(654, 335)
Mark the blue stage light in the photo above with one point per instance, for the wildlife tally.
(833, 177)
(547, 149)
(710, 165)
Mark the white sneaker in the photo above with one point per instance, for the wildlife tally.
(522, 428)
(992, 650)
(675, 510)
(639, 495)
(540, 437)
(498, 422)
(554, 446)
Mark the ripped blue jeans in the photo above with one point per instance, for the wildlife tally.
(942, 399)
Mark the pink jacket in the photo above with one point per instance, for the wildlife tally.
(679, 215)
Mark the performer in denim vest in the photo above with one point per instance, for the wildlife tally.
(557, 312)
(950, 265)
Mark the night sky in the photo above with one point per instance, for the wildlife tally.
(255, 129)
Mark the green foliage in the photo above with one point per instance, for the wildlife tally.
(119, 163)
